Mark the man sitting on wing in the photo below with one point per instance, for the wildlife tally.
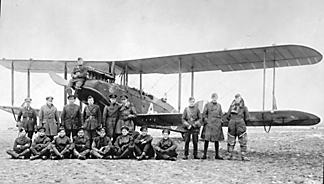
(79, 75)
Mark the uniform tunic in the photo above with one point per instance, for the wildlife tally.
(109, 118)
(81, 72)
(61, 143)
(71, 117)
(81, 143)
(40, 143)
(24, 143)
(92, 117)
(191, 116)
(49, 118)
(146, 147)
(212, 115)
(123, 142)
(100, 142)
(29, 118)
(124, 120)
(167, 145)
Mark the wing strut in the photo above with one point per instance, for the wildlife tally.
(264, 78)
(192, 81)
(65, 77)
(28, 83)
(12, 83)
(179, 92)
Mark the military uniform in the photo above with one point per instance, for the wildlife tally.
(125, 146)
(146, 147)
(40, 147)
(71, 119)
(166, 149)
(126, 115)
(81, 146)
(238, 114)
(29, 120)
(109, 118)
(81, 72)
(191, 117)
(102, 147)
(92, 120)
(212, 130)
(20, 148)
(49, 118)
(61, 147)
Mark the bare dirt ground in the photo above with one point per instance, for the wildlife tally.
(285, 155)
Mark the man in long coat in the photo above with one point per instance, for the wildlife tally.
(71, 117)
(212, 121)
(110, 115)
(29, 118)
(127, 113)
(49, 118)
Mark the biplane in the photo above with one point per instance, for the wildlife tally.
(101, 81)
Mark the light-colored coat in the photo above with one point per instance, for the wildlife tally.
(49, 118)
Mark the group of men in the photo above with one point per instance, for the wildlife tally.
(211, 120)
(93, 135)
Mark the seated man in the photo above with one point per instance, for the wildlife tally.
(102, 146)
(143, 145)
(81, 145)
(166, 147)
(21, 146)
(124, 144)
(60, 147)
(40, 145)
(79, 75)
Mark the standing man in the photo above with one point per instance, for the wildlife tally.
(110, 115)
(71, 117)
(238, 115)
(29, 118)
(212, 130)
(79, 75)
(49, 118)
(191, 118)
(92, 119)
(127, 113)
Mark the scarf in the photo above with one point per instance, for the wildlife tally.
(235, 107)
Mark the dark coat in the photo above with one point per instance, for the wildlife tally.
(29, 119)
(126, 115)
(166, 144)
(100, 142)
(92, 117)
(71, 117)
(191, 116)
(21, 143)
(49, 118)
(61, 143)
(40, 143)
(80, 70)
(123, 142)
(81, 143)
(109, 118)
(212, 115)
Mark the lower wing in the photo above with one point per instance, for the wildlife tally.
(258, 118)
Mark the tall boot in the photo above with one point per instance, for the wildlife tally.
(243, 157)
(205, 149)
(217, 156)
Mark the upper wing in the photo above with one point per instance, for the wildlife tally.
(226, 60)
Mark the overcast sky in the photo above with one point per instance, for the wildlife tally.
(126, 29)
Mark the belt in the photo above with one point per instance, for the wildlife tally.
(92, 117)
(28, 118)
